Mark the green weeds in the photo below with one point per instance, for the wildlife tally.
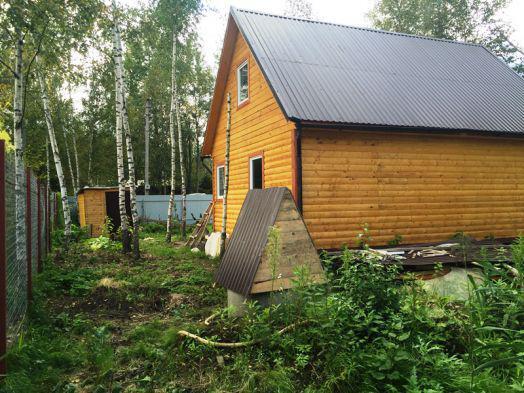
(102, 322)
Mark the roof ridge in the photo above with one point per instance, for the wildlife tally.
(235, 9)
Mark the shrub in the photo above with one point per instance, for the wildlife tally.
(77, 234)
(365, 331)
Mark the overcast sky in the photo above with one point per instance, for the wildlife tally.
(349, 12)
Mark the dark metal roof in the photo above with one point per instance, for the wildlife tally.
(247, 243)
(323, 72)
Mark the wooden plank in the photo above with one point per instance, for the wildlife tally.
(283, 283)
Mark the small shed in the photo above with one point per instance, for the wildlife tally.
(245, 267)
(97, 203)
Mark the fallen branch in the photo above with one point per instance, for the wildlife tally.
(240, 343)
(208, 320)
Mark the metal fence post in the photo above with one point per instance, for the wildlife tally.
(47, 220)
(29, 234)
(39, 227)
(3, 265)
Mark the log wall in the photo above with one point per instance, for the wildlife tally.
(92, 210)
(422, 187)
(257, 127)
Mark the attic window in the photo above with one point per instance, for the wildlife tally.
(220, 181)
(242, 83)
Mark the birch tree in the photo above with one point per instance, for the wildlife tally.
(19, 149)
(172, 111)
(90, 157)
(226, 177)
(146, 146)
(132, 176)
(75, 150)
(68, 153)
(56, 157)
(122, 90)
(77, 164)
(124, 225)
(180, 140)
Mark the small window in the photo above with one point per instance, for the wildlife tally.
(220, 181)
(256, 172)
(242, 83)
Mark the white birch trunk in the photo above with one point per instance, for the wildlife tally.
(75, 151)
(172, 111)
(180, 140)
(119, 68)
(124, 225)
(58, 162)
(132, 177)
(19, 152)
(197, 149)
(146, 146)
(226, 177)
(68, 155)
(48, 167)
(90, 159)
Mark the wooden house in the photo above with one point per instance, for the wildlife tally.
(95, 204)
(413, 136)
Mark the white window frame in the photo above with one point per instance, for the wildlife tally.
(218, 181)
(251, 159)
(245, 63)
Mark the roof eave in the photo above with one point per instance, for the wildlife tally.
(403, 128)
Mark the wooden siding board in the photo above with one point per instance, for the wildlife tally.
(258, 126)
(94, 208)
(424, 188)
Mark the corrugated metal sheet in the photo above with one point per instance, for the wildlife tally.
(247, 243)
(324, 72)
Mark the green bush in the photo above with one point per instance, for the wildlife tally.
(366, 331)
(77, 234)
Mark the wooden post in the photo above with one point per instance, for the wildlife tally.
(3, 265)
(28, 234)
(39, 226)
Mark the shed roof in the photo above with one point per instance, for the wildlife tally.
(245, 248)
(104, 188)
(330, 73)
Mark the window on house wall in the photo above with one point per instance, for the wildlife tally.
(242, 83)
(256, 172)
(220, 181)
